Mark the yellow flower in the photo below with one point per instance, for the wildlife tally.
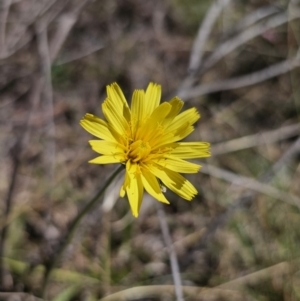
(145, 138)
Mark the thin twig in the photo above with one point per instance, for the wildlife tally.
(78, 56)
(245, 36)
(241, 81)
(284, 160)
(34, 97)
(250, 184)
(159, 291)
(18, 296)
(171, 250)
(203, 33)
(197, 51)
(256, 16)
(65, 24)
(281, 269)
(3, 17)
(42, 40)
(256, 139)
(8, 206)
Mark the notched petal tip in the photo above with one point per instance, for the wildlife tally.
(112, 86)
(135, 214)
(152, 97)
(86, 117)
(153, 85)
(122, 192)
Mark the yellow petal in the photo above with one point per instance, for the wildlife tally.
(190, 150)
(115, 120)
(153, 123)
(116, 95)
(114, 92)
(96, 127)
(183, 131)
(134, 189)
(152, 186)
(124, 186)
(187, 117)
(177, 135)
(137, 108)
(106, 159)
(107, 148)
(175, 182)
(177, 164)
(152, 98)
(177, 105)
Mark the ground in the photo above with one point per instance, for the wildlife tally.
(239, 238)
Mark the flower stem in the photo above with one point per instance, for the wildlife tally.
(73, 226)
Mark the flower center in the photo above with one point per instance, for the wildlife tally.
(138, 150)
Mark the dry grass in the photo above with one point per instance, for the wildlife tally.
(239, 238)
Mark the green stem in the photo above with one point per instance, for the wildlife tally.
(69, 235)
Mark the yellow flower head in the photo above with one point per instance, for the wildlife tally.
(145, 138)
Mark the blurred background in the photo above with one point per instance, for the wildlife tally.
(237, 61)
